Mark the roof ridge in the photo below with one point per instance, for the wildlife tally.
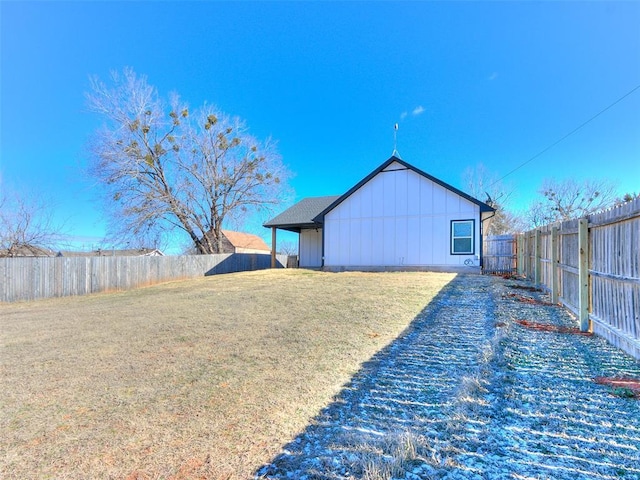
(483, 206)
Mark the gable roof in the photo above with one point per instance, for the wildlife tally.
(320, 217)
(302, 214)
(245, 240)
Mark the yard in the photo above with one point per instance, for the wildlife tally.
(204, 378)
(300, 374)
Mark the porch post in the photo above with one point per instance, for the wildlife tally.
(273, 247)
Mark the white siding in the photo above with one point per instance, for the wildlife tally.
(311, 248)
(398, 218)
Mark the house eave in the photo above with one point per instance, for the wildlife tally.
(293, 227)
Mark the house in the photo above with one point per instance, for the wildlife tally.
(397, 217)
(238, 242)
(233, 242)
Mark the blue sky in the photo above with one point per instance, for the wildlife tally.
(468, 83)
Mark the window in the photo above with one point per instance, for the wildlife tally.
(462, 232)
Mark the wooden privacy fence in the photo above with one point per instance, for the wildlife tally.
(499, 254)
(591, 266)
(43, 277)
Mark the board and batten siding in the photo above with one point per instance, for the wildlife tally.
(398, 218)
(311, 248)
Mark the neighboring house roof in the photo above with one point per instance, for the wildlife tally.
(132, 252)
(319, 218)
(27, 251)
(245, 240)
(302, 214)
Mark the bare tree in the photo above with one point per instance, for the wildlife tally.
(483, 185)
(27, 227)
(165, 168)
(538, 214)
(287, 247)
(627, 197)
(567, 199)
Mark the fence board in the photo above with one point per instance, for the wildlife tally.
(499, 254)
(613, 245)
(44, 277)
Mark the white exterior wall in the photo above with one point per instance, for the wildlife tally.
(310, 248)
(398, 218)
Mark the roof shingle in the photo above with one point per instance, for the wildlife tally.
(302, 213)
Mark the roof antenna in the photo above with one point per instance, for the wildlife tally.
(395, 142)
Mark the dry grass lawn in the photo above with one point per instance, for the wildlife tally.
(204, 378)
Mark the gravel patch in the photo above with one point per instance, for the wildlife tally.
(468, 392)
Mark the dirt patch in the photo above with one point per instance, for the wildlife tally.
(621, 387)
(546, 327)
(204, 378)
(508, 276)
(528, 288)
(528, 300)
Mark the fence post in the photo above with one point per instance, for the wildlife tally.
(554, 265)
(519, 251)
(538, 252)
(527, 255)
(583, 273)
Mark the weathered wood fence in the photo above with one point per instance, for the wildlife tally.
(499, 254)
(592, 267)
(33, 278)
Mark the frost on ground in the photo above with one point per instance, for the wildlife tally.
(468, 391)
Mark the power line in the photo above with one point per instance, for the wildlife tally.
(568, 134)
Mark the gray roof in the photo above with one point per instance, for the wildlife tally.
(301, 214)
